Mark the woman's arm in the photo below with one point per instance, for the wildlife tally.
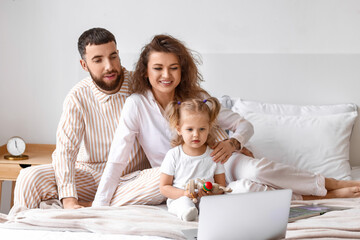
(241, 128)
(119, 154)
(242, 132)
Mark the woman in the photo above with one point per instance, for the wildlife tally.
(167, 71)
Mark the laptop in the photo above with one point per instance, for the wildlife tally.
(255, 215)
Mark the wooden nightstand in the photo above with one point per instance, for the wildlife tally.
(10, 169)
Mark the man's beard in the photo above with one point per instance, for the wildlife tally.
(103, 85)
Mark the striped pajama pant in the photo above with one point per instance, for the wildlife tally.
(36, 184)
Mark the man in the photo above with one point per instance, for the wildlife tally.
(90, 115)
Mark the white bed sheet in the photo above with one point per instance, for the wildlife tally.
(333, 225)
(306, 228)
(129, 222)
(15, 234)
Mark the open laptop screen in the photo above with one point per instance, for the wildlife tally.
(256, 215)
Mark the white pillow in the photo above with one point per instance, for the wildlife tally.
(245, 106)
(313, 138)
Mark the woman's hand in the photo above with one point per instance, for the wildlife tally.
(222, 151)
(247, 152)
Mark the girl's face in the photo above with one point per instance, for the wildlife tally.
(194, 129)
(164, 73)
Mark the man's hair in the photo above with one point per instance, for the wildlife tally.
(94, 36)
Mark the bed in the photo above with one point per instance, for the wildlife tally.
(314, 138)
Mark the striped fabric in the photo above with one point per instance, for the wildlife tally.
(220, 135)
(144, 189)
(89, 119)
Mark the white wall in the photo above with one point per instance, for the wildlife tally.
(282, 51)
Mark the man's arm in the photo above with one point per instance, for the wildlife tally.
(68, 138)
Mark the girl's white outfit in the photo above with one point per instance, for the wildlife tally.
(184, 167)
(143, 118)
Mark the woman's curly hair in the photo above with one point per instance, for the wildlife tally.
(189, 86)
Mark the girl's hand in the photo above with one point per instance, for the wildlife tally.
(222, 151)
(203, 193)
(189, 195)
(219, 192)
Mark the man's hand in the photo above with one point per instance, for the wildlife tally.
(71, 203)
(85, 204)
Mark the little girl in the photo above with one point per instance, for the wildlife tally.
(194, 122)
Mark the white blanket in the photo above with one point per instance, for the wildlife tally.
(155, 221)
(129, 220)
(335, 224)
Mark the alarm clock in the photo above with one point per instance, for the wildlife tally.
(16, 147)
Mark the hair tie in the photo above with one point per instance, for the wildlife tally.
(205, 101)
(178, 102)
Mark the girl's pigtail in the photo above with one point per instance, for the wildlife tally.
(214, 106)
(214, 109)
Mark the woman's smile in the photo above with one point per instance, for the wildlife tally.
(164, 73)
